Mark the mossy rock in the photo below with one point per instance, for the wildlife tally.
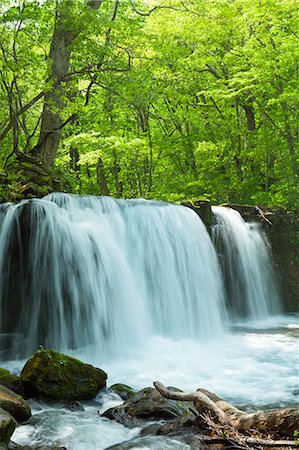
(11, 381)
(14, 404)
(52, 375)
(7, 426)
(147, 404)
(122, 390)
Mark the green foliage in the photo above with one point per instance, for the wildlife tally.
(197, 100)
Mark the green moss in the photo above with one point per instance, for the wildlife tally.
(9, 380)
(5, 376)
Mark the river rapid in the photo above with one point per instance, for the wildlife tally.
(254, 367)
(146, 292)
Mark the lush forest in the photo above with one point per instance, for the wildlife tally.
(162, 99)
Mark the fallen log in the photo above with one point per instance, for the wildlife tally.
(282, 422)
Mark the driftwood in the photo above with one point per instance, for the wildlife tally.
(263, 426)
(258, 209)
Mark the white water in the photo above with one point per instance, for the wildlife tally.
(135, 288)
(112, 273)
(247, 266)
(254, 367)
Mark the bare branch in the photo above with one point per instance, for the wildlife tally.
(196, 397)
(19, 112)
(148, 13)
(258, 209)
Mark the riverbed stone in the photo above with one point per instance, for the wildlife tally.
(7, 426)
(122, 390)
(147, 404)
(11, 381)
(14, 404)
(51, 375)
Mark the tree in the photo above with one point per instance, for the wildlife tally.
(210, 88)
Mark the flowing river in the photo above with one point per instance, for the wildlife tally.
(141, 290)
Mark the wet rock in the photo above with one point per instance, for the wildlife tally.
(147, 404)
(203, 209)
(122, 390)
(174, 426)
(14, 446)
(150, 442)
(74, 406)
(7, 426)
(188, 431)
(14, 404)
(151, 429)
(11, 381)
(52, 375)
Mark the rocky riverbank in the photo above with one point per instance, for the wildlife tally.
(195, 420)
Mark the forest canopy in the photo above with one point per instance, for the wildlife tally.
(166, 99)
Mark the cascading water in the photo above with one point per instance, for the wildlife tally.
(135, 287)
(83, 271)
(245, 258)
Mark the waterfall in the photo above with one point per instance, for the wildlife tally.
(88, 271)
(245, 257)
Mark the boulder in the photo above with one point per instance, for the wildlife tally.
(147, 404)
(52, 375)
(7, 426)
(14, 404)
(11, 381)
(122, 390)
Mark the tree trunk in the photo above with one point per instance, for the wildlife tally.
(278, 422)
(51, 126)
(101, 178)
(116, 171)
(290, 141)
(249, 111)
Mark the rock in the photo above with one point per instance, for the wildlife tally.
(147, 404)
(14, 404)
(203, 209)
(122, 390)
(74, 406)
(7, 426)
(11, 381)
(28, 447)
(52, 375)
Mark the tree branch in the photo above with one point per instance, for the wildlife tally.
(148, 13)
(196, 397)
(19, 112)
